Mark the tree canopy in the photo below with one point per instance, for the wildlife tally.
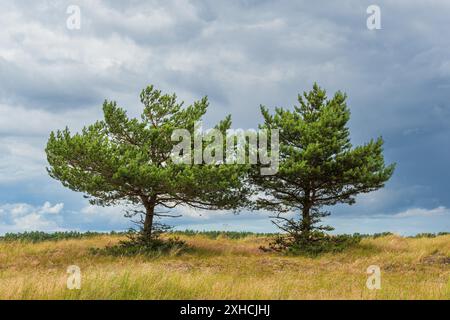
(128, 160)
(319, 167)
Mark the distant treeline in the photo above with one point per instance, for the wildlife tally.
(39, 236)
(226, 234)
(384, 234)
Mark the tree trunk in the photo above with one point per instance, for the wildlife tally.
(149, 204)
(306, 227)
(306, 220)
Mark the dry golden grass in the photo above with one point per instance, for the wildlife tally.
(227, 269)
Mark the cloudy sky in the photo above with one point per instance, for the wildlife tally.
(241, 54)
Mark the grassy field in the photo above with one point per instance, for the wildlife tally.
(224, 268)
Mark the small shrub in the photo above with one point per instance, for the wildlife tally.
(314, 244)
(382, 234)
(137, 246)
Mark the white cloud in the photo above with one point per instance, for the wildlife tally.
(48, 208)
(20, 160)
(408, 222)
(104, 215)
(23, 136)
(34, 221)
(420, 212)
(19, 217)
(22, 121)
(196, 214)
(19, 209)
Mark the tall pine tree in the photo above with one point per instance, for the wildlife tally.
(128, 161)
(318, 165)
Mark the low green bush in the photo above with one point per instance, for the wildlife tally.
(314, 244)
(137, 245)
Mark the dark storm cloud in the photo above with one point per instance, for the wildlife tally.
(241, 54)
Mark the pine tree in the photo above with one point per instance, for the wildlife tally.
(123, 160)
(318, 165)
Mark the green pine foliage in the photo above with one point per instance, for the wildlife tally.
(121, 160)
(319, 167)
